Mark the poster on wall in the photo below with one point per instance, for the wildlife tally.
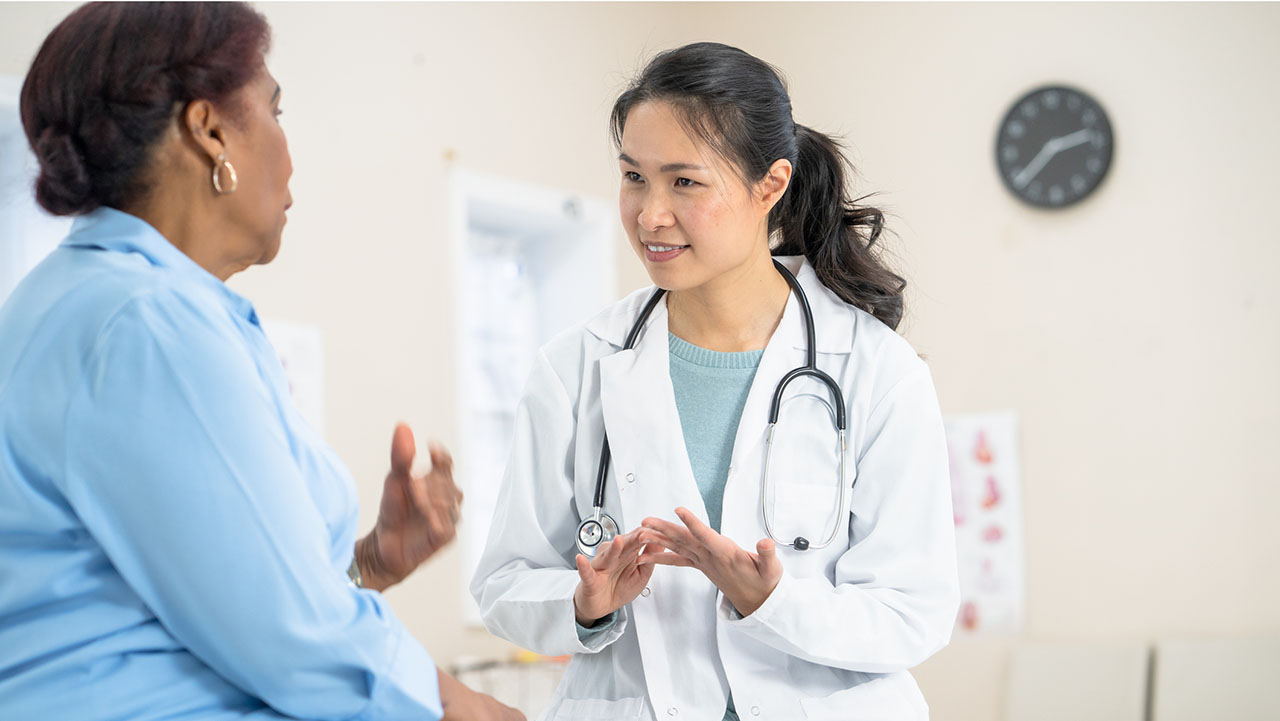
(987, 503)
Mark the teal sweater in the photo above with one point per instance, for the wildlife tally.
(711, 389)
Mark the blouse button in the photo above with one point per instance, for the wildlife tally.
(631, 478)
(673, 711)
(755, 710)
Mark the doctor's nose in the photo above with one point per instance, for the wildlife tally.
(655, 214)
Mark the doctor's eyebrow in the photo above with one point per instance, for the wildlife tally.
(668, 168)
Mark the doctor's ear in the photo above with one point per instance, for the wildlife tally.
(771, 188)
(203, 126)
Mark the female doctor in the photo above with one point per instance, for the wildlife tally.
(794, 571)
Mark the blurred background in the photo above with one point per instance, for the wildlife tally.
(1134, 337)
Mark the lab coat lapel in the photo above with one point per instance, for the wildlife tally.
(643, 426)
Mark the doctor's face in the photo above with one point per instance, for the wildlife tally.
(686, 211)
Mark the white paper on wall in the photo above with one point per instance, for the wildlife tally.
(987, 502)
(301, 351)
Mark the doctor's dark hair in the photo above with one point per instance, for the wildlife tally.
(108, 81)
(738, 105)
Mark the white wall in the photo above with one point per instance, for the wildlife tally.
(1137, 335)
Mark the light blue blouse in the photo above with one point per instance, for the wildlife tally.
(173, 535)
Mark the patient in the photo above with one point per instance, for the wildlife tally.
(175, 541)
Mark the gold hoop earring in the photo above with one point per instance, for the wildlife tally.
(217, 173)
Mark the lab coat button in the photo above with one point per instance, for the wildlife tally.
(645, 592)
(673, 711)
(755, 710)
(631, 478)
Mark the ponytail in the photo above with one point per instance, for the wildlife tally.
(816, 219)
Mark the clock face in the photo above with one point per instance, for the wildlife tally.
(1054, 147)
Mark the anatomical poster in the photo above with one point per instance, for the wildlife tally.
(987, 503)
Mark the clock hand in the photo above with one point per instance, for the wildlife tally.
(1050, 149)
(1037, 164)
(1079, 137)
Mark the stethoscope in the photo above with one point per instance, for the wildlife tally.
(601, 527)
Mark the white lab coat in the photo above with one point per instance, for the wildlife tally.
(835, 638)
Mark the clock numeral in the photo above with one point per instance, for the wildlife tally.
(1073, 102)
(1051, 100)
(1009, 153)
(1099, 140)
(1017, 129)
(1094, 165)
(1057, 194)
(1089, 117)
(1030, 110)
(1078, 183)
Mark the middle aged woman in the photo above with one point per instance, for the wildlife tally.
(175, 541)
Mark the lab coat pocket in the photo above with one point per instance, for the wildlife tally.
(599, 709)
(894, 697)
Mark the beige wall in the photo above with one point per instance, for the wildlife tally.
(1137, 335)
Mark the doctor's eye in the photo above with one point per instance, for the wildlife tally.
(685, 183)
(632, 176)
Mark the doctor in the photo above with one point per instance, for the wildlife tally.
(806, 593)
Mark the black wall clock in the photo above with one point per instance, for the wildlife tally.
(1054, 146)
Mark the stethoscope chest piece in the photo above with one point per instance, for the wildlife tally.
(595, 531)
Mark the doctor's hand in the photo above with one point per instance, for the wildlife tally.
(418, 515)
(611, 580)
(745, 578)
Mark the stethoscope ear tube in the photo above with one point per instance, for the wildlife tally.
(775, 406)
(810, 367)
